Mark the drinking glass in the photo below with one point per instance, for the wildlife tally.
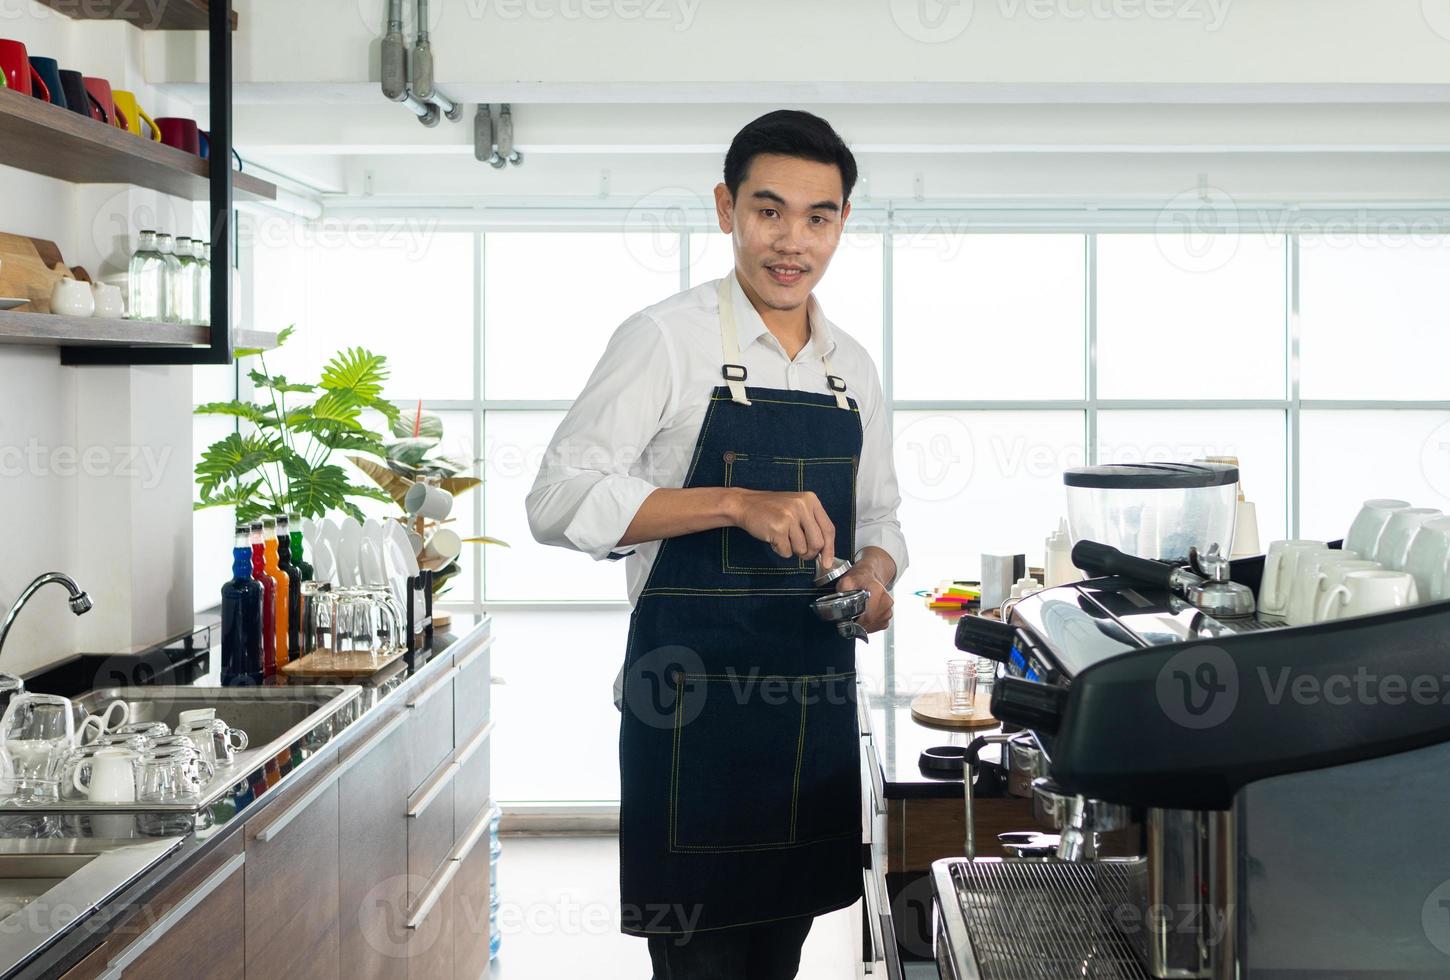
(37, 730)
(171, 774)
(962, 683)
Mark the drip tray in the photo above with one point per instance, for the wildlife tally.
(1033, 920)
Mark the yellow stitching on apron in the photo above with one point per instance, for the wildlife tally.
(800, 750)
(725, 567)
(781, 401)
(675, 776)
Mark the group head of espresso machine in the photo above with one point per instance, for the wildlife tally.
(1253, 829)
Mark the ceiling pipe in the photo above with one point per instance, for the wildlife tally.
(424, 88)
(483, 145)
(506, 136)
(395, 55)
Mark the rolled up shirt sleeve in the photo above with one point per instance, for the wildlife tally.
(877, 495)
(587, 491)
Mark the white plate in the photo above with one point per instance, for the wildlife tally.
(348, 551)
(370, 564)
(402, 548)
(10, 302)
(324, 565)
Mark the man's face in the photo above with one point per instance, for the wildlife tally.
(785, 222)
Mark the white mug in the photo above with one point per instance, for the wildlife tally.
(1428, 557)
(1279, 567)
(1369, 524)
(108, 301)
(112, 775)
(1364, 593)
(433, 503)
(71, 297)
(1308, 576)
(186, 718)
(441, 548)
(1400, 530)
(1331, 576)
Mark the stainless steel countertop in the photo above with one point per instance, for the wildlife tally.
(130, 872)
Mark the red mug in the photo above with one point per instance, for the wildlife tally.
(181, 133)
(20, 74)
(100, 90)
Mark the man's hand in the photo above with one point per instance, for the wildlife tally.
(793, 524)
(871, 572)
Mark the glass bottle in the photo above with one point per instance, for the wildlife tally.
(294, 521)
(242, 617)
(203, 282)
(186, 281)
(283, 596)
(146, 282)
(269, 598)
(288, 564)
(170, 281)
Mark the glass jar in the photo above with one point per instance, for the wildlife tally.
(146, 282)
(171, 280)
(203, 282)
(186, 280)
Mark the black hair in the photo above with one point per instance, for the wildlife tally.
(791, 133)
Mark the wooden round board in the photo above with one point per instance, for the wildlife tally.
(934, 710)
(327, 664)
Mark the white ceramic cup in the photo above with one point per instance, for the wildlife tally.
(1365, 592)
(108, 301)
(187, 718)
(1399, 533)
(433, 503)
(1369, 524)
(1332, 575)
(112, 776)
(71, 297)
(444, 546)
(1280, 565)
(1428, 557)
(1308, 577)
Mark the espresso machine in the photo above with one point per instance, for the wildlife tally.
(1282, 792)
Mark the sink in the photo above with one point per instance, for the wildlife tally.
(47, 884)
(274, 718)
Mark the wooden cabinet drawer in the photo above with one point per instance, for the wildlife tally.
(430, 823)
(471, 690)
(430, 725)
(470, 896)
(471, 786)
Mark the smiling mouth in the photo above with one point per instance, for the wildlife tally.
(786, 273)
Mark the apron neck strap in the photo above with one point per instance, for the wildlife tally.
(733, 371)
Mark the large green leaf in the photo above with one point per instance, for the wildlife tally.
(279, 383)
(410, 452)
(256, 414)
(371, 493)
(313, 492)
(236, 495)
(339, 408)
(356, 375)
(335, 437)
(236, 455)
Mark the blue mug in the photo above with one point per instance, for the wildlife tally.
(49, 71)
(205, 153)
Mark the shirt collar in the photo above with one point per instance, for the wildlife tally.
(750, 327)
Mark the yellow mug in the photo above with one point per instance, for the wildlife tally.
(133, 113)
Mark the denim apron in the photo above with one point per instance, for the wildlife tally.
(739, 747)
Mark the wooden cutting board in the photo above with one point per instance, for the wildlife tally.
(24, 274)
(327, 664)
(935, 711)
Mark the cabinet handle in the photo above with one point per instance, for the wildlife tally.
(372, 743)
(473, 655)
(116, 967)
(266, 834)
(475, 744)
(434, 688)
(870, 899)
(426, 906)
(434, 790)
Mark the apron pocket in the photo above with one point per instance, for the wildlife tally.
(746, 754)
(831, 478)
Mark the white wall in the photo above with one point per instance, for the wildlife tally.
(95, 463)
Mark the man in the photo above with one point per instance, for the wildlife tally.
(730, 443)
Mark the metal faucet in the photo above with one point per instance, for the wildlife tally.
(80, 603)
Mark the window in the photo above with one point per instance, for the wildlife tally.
(995, 389)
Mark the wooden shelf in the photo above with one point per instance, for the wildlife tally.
(46, 139)
(49, 330)
(149, 15)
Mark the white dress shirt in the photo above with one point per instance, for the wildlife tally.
(634, 426)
